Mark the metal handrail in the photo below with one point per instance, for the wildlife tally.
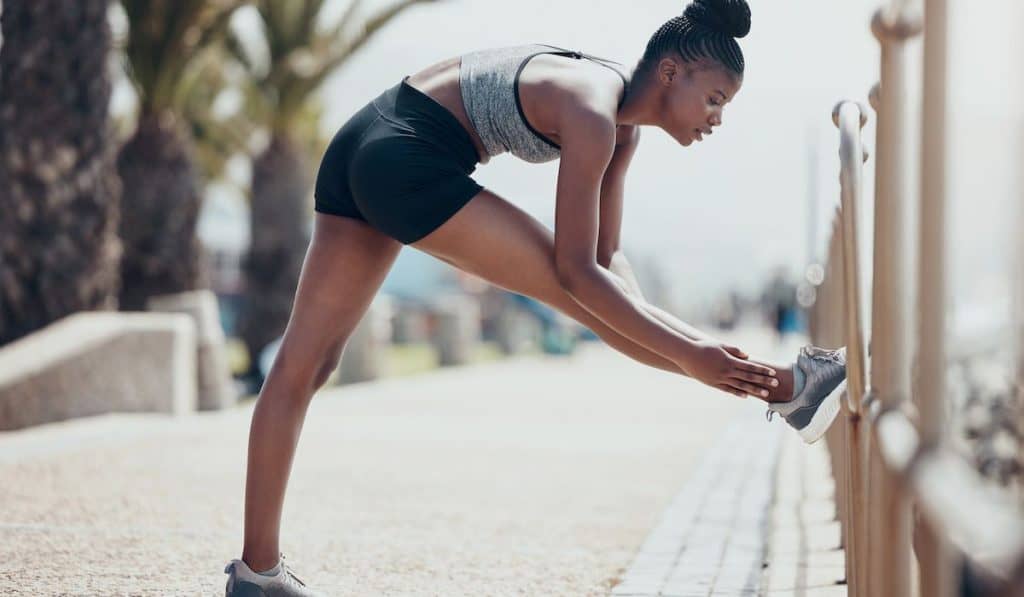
(990, 533)
(851, 117)
(1018, 303)
(930, 388)
(890, 453)
(893, 26)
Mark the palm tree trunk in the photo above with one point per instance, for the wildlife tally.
(281, 214)
(59, 190)
(160, 208)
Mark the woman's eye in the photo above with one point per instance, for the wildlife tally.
(713, 101)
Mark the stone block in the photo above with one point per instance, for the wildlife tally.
(216, 390)
(99, 362)
(457, 330)
(365, 354)
(515, 330)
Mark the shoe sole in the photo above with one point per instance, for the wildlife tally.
(824, 416)
(245, 589)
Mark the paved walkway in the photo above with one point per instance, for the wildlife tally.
(532, 476)
(756, 517)
(802, 554)
(712, 538)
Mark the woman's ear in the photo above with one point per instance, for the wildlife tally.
(667, 70)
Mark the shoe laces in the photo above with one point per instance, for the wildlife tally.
(828, 355)
(289, 575)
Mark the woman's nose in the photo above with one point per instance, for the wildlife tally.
(715, 120)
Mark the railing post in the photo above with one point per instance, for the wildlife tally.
(831, 335)
(929, 389)
(826, 313)
(890, 523)
(1018, 309)
(850, 117)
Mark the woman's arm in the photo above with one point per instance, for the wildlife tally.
(613, 185)
(619, 266)
(609, 254)
(587, 147)
(623, 275)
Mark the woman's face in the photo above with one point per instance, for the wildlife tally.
(695, 95)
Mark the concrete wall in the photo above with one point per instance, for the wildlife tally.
(99, 362)
(216, 389)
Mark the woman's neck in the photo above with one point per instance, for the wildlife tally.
(638, 108)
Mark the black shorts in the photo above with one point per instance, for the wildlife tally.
(401, 164)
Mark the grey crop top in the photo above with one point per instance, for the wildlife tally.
(489, 81)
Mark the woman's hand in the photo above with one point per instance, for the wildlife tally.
(735, 351)
(722, 366)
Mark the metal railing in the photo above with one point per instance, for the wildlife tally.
(901, 491)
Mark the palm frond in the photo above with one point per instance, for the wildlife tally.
(165, 36)
(343, 51)
(346, 19)
(301, 57)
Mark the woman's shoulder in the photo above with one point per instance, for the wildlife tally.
(589, 85)
(595, 100)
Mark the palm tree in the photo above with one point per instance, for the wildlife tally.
(59, 189)
(218, 136)
(299, 58)
(166, 42)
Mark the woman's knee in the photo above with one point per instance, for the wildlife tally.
(304, 371)
(328, 365)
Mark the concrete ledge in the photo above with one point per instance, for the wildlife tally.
(99, 362)
(458, 328)
(216, 389)
(364, 356)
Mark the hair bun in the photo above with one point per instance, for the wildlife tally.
(731, 17)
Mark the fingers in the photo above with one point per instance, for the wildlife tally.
(735, 351)
(754, 368)
(765, 381)
(749, 388)
(731, 390)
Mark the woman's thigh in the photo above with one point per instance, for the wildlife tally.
(493, 239)
(345, 264)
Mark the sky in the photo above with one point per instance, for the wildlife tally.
(726, 212)
(722, 212)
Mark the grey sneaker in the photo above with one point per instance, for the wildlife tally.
(812, 411)
(244, 582)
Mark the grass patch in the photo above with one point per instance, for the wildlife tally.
(402, 360)
(410, 359)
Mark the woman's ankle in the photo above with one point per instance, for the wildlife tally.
(260, 561)
(784, 391)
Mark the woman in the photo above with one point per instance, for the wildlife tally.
(397, 173)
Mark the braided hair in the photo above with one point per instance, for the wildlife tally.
(706, 29)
